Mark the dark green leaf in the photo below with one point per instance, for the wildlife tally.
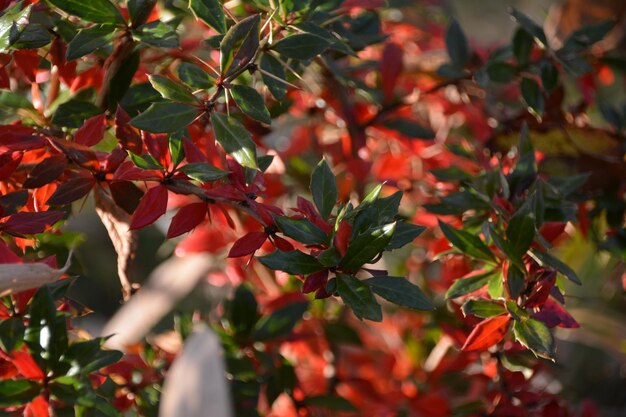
(33, 36)
(532, 28)
(210, 12)
(515, 281)
(549, 76)
(452, 173)
(536, 336)
(203, 172)
(467, 285)
(242, 311)
(165, 117)
(324, 188)
(301, 230)
(330, 403)
(294, 262)
(250, 102)
(586, 36)
(359, 297)
(46, 330)
(17, 392)
(405, 233)
(301, 46)
(172, 90)
(482, 308)
(501, 72)
(96, 11)
(11, 333)
(175, 146)
(399, 291)
(365, 246)
(265, 161)
(531, 92)
(194, 76)
(280, 322)
(139, 10)
(239, 45)
(235, 139)
(522, 46)
(548, 260)
(467, 243)
(270, 65)
(457, 46)
(12, 23)
(122, 79)
(158, 33)
(73, 113)
(409, 128)
(88, 40)
(520, 232)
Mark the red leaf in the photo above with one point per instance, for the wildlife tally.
(92, 131)
(151, 206)
(38, 407)
(391, 67)
(487, 333)
(157, 145)
(186, 219)
(247, 244)
(7, 256)
(9, 163)
(72, 190)
(78, 153)
(553, 314)
(46, 171)
(127, 135)
(315, 281)
(27, 222)
(19, 138)
(26, 365)
(342, 237)
(282, 244)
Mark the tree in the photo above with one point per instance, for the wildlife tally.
(336, 176)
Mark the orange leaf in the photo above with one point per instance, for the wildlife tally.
(487, 333)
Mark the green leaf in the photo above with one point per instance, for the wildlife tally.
(399, 291)
(532, 95)
(250, 102)
(359, 297)
(158, 33)
(242, 311)
(520, 232)
(294, 262)
(11, 333)
(122, 79)
(467, 285)
(405, 233)
(165, 117)
(548, 260)
(501, 72)
(17, 392)
(482, 308)
(495, 288)
(73, 113)
(139, 10)
(522, 46)
(330, 402)
(365, 246)
(301, 46)
(581, 39)
(467, 243)
(88, 40)
(301, 230)
(11, 100)
(409, 128)
(239, 45)
(203, 172)
(270, 65)
(145, 161)
(536, 336)
(46, 331)
(452, 173)
(172, 90)
(96, 11)
(175, 146)
(13, 19)
(515, 280)
(324, 188)
(456, 43)
(235, 139)
(194, 76)
(280, 322)
(532, 28)
(549, 76)
(33, 36)
(210, 12)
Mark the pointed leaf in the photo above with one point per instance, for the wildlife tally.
(210, 12)
(186, 219)
(324, 188)
(165, 117)
(203, 172)
(171, 90)
(301, 46)
(487, 333)
(365, 246)
(250, 102)
(467, 243)
(294, 262)
(536, 336)
(302, 230)
(89, 40)
(469, 283)
(96, 11)
(359, 297)
(235, 139)
(399, 291)
(280, 322)
(151, 206)
(247, 244)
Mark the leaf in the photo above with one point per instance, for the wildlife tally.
(235, 139)
(482, 308)
(359, 297)
(46, 331)
(247, 244)
(17, 392)
(92, 131)
(250, 102)
(186, 219)
(96, 11)
(301, 230)
(165, 117)
(139, 10)
(280, 322)
(172, 90)
(409, 128)
(239, 45)
(151, 206)
(469, 283)
(487, 333)
(405, 233)
(158, 33)
(210, 12)
(203, 172)
(501, 72)
(145, 161)
(467, 243)
(89, 40)
(13, 18)
(71, 190)
(194, 76)
(301, 46)
(294, 262)
(452, 173)
(515, 281)
(270, 65)
(531, 92)
(74, 112)
(536, 336)
(520, 232)
(175, 145)
(399, 291)
(530, 27)
(31, 222)
(365, 246)
(330, 402)
(548, 260)
(522, 46)
(324, 188)
(457, 45)
(33, 36)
